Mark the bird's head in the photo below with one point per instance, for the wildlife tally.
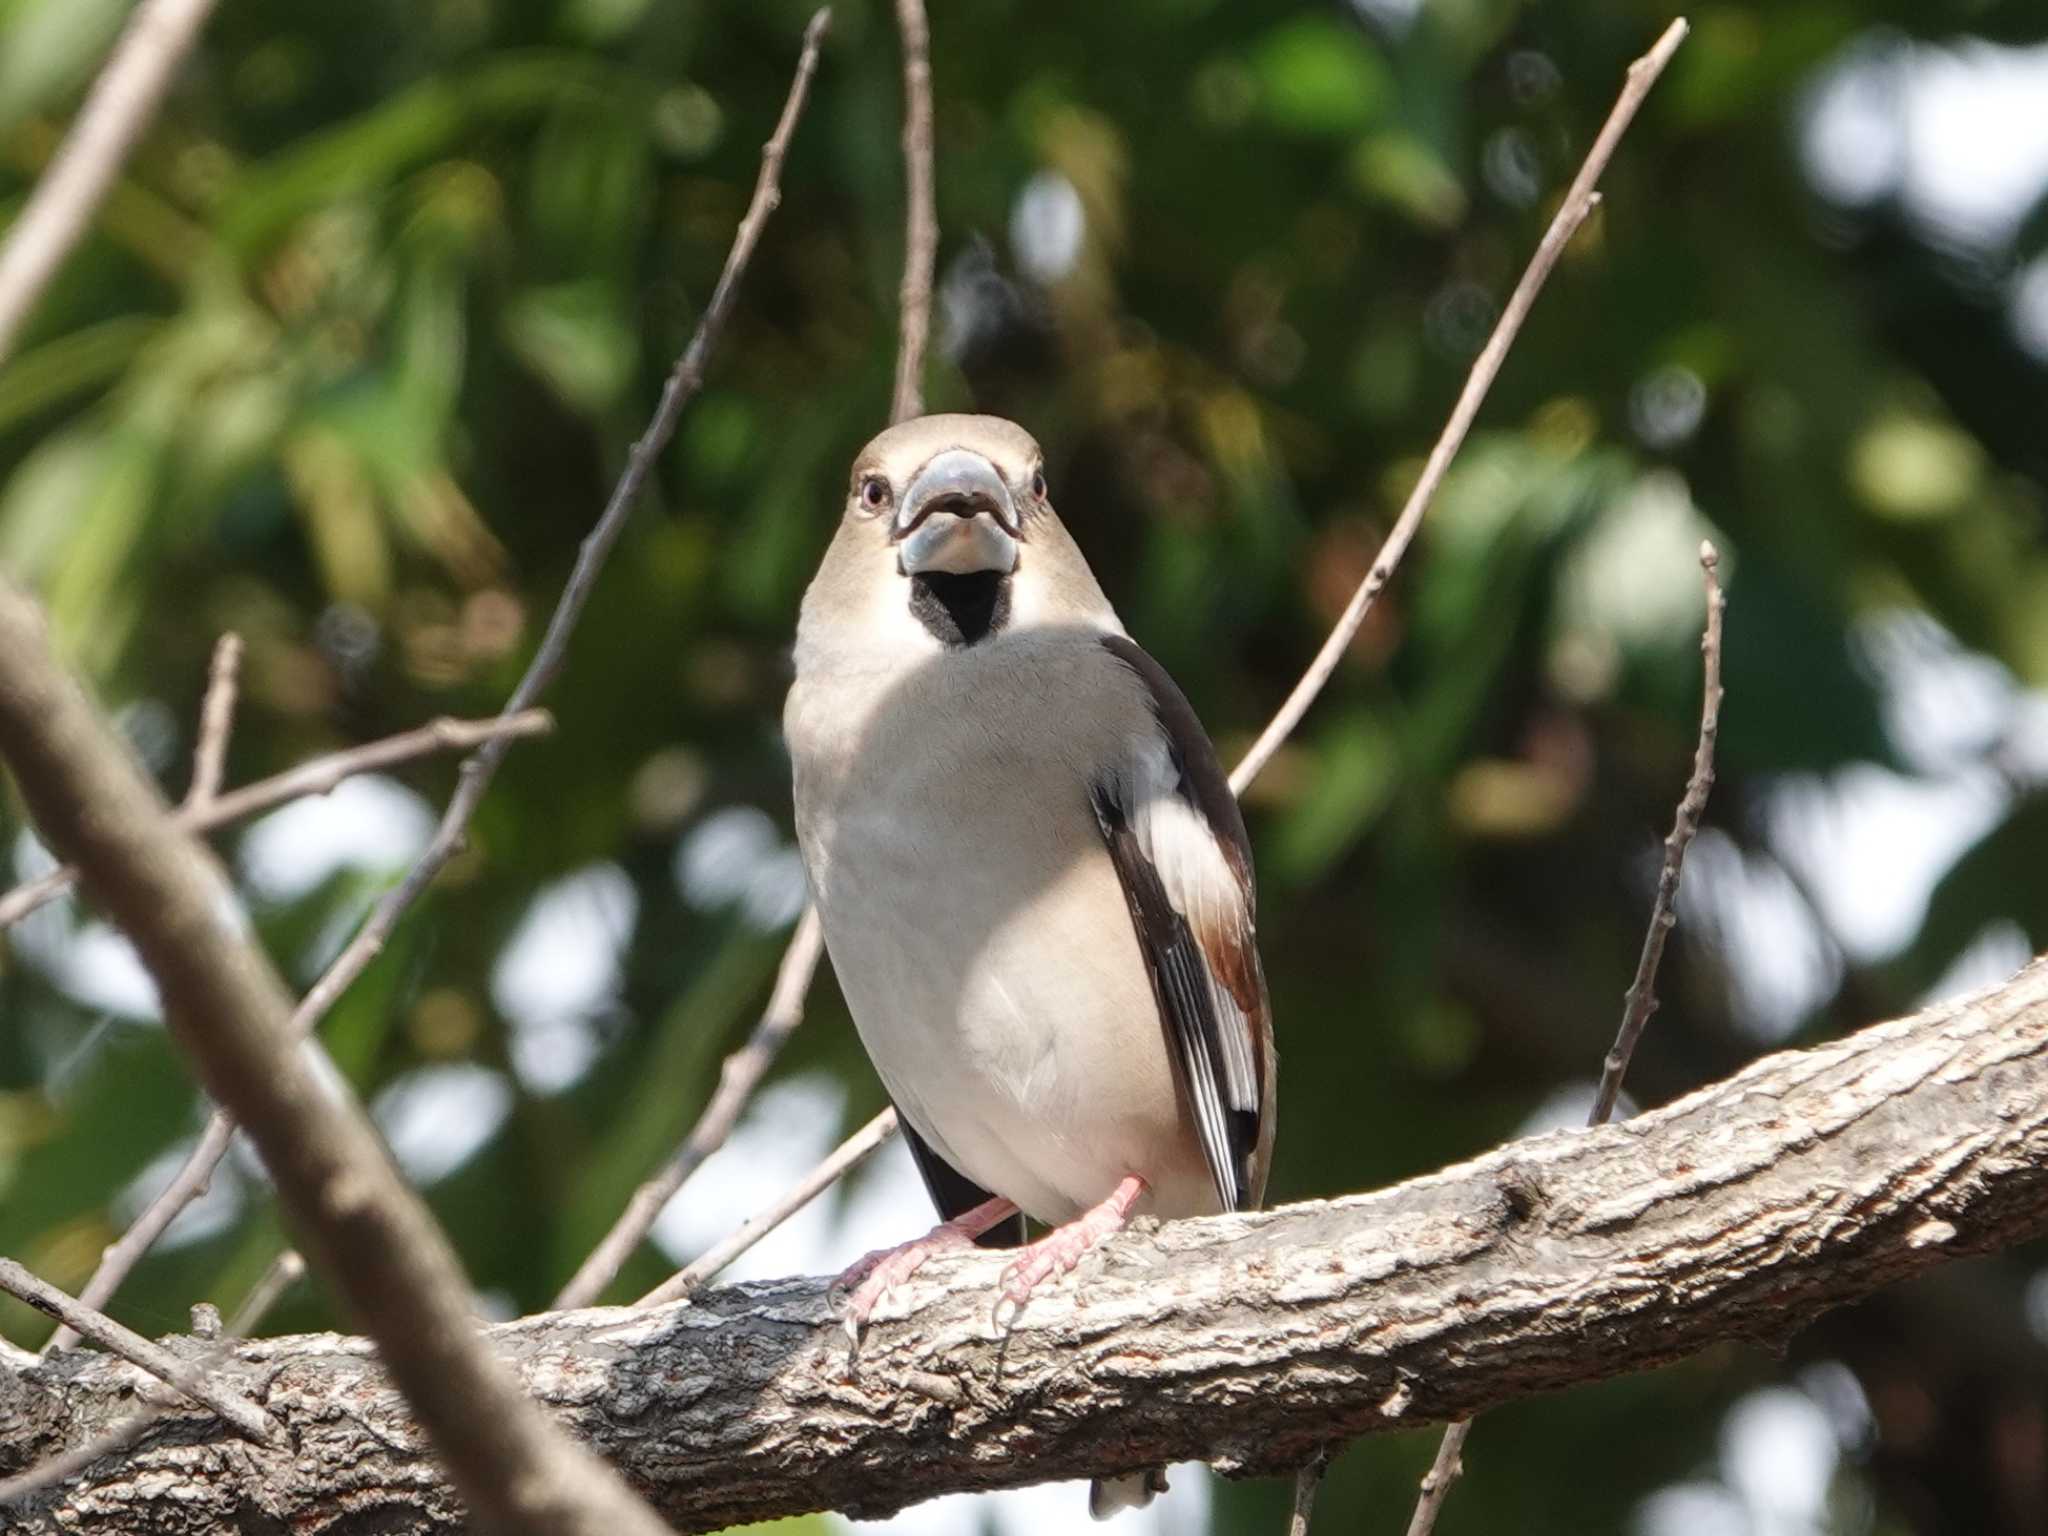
(948, 522)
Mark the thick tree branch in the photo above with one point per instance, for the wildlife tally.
(282, 1274)
(121, 1256)
(1737, 1213)
(493, 738)
(92, 802)
(246, 1416)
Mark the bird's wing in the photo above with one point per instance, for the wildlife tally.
(1178, 843)
(954, 1193)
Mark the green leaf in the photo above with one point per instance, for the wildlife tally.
(1321, 77)
(1404, 172)
(1356, 772)
(50, 48)
(576, 340)
(368, 152)
(44, 378)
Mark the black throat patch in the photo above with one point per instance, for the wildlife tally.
(960, 609)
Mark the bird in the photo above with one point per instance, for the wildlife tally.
(1034, 882)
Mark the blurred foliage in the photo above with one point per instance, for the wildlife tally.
(359, 343)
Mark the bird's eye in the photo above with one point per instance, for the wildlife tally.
(874, 493)
(1038, 483)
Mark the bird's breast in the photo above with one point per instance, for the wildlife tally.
(980, 933)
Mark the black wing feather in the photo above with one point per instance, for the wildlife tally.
(1229, 1134)
(1221, 1055)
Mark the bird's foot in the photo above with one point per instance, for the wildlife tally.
(1063, 1247)
(874, 1275)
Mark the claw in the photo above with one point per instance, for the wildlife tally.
(1003, 1315)
(874, 1275)
(1060, 1250)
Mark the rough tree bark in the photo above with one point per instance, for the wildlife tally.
(1739, 1212)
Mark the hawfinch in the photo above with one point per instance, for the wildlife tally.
(1034, 881)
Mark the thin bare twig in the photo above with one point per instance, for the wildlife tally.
(1306, 1482)
(920, 215)
(122, 101)
(737, 1079)
(195, 1174)
(1579, 201)
(285, 1271)
(248, 1419)
(216, 722)
(39, 892)
(848, 1155)
(744, 1070)
(121, 1256)
(683, 383)
(1641, 1000)
(319, 776)
(1446, 1469)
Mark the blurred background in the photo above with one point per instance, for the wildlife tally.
(357, 348)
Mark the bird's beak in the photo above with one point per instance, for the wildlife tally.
(958, 516)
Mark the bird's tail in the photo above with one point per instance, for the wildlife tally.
(1133, 1490)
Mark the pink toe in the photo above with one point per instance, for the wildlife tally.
(880, 1272)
